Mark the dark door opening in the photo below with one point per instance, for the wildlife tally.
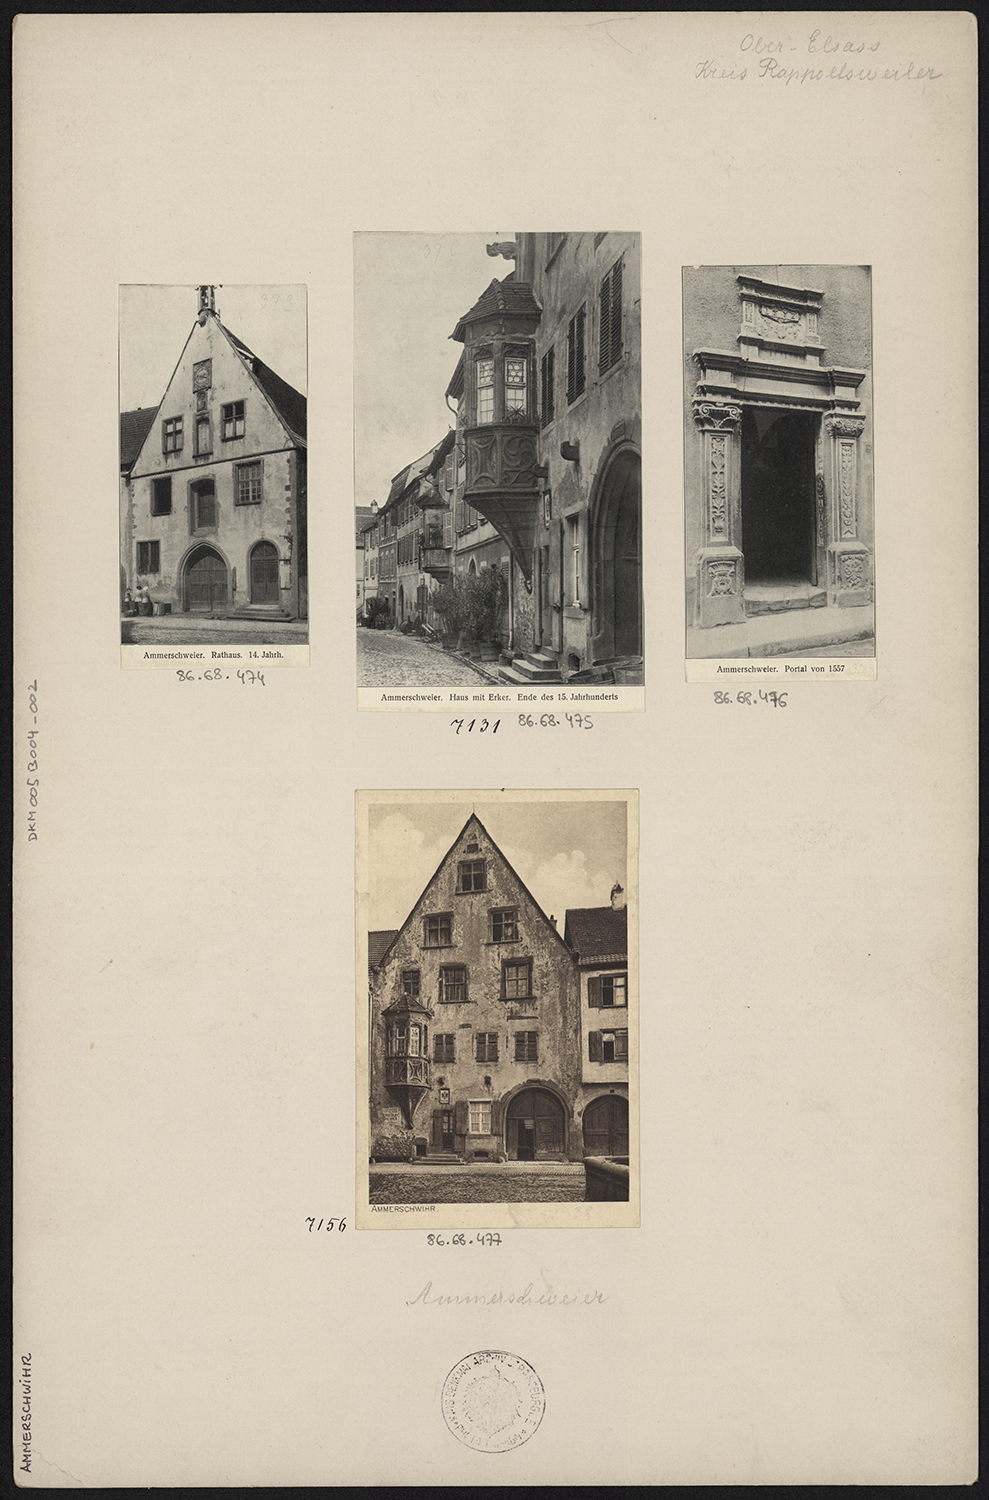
(206, 581)
(527, 1140)
(446, 1130)
(778, 512)
(628, 567)
(264, 574)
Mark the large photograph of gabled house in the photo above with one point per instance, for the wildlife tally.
(500, 1030)
(213, 492)
(498, 420)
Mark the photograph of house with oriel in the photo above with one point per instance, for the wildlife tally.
(498, 437)
(499, 1001)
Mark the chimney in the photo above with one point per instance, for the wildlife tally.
(617, 897)
(207, 302)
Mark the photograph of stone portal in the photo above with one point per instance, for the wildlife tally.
(213, 466)
(498, 456)
(501, 998)
(778, 461)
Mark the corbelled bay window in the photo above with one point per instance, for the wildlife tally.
(485, 390)
(516, 387)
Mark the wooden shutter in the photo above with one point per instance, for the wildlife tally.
(604, 332)
(580, 320)
(615, 350)
(461, 1118)
(594, 1046)
(594, 991)
(437, 1127)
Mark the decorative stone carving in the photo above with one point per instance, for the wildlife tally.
(846, 487)
(822, 500)
(482, 460)
(843, 425)
(721, 577)
(711, 415)
(779, 314)
(718, 471)
(853, 571)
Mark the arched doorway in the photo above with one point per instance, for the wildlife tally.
(264, 574)
(205, 581)
(618, 571)
(534, 1126)
(606, 1126)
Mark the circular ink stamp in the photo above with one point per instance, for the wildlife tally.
(493, 1401)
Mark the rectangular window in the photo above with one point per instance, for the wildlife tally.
(547, 372)
(504, 925)
(204, 436)
(471, 875)
(613, 989)
(516, 387)
(171, 435)
(204, 507)
(575, 354)
(486, 1046)
(453, 984)
(161, 497)
(614, 1046)
(436, 931)
(443, 1047)
(410, 984)
(148, 557)
(248, 487)
(516, 979)
(485, 390)
(479, 1121)
(232, 417)
(525, 1046)
(610, 332)
(572, 588)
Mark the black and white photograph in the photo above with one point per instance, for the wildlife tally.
(500, 992)
(498, 420)
(778, 479)
(213, 521)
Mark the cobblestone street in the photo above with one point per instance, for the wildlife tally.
(512, 1182)
(167, 630)
(386, 658)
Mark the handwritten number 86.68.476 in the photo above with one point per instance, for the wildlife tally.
(775, 700)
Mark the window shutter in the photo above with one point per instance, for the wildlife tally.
(594, 1046)
(581, 320)
(616, 313)
(572, 359)
(594, 991)
(461, 1119)
(604, 334)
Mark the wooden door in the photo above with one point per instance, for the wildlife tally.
(264, 574)
(606, 1126)
(206, 582)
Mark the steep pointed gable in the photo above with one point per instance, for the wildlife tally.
(235, 373)
(473, 843)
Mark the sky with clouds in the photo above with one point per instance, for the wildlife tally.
(568, 854)
(155, 322)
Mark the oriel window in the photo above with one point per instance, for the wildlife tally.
(485, 391)
(516, 388)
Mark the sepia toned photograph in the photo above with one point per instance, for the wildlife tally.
(498, 420)
(500, 992)
(213, 523)
(778, 479)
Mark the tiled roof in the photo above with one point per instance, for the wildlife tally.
(363, 517)
(378, 944)
(596, 931)
(508, 296)
(428, 464)
(289, 403)
(134, 428)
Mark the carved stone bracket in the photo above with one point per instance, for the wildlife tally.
(720, 584)
(716, 415)
(849, 574)
(841, 425)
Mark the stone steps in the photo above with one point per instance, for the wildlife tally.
(534, 668)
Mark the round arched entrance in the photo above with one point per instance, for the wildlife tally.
(534, 1126)
(606, 1126)
(618, 622)
(205, 581)
(264, 574)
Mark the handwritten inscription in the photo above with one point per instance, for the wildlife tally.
(33, 780)
(780, 59)
(525, 1298)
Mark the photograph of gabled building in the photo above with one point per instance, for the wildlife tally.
(482, 1050)
(213, 483)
